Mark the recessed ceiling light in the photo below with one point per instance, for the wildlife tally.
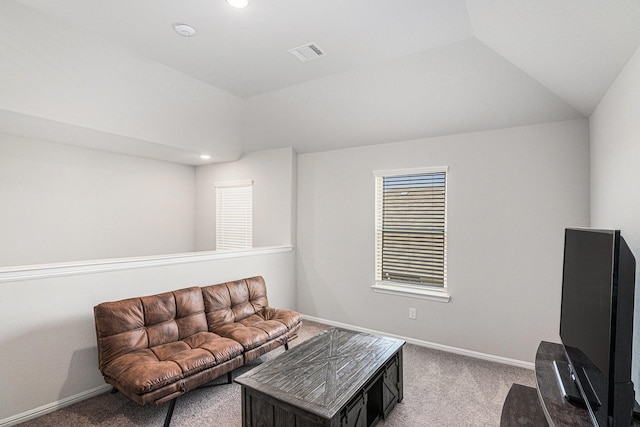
(205, 156)
(238, 3)
(185, 30)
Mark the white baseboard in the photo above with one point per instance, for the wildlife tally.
(54, 406)
(456, 350)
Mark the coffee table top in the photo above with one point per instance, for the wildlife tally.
(323, 373)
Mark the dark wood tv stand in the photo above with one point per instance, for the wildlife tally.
(521, 407)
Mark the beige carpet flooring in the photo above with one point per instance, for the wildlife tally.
(440, 389)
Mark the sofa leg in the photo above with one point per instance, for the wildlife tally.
(286, 346)
(229, 377)
(167, 418)
(114, 390)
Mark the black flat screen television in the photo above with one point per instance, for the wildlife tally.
(596, 324)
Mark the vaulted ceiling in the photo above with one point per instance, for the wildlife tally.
(393, 70)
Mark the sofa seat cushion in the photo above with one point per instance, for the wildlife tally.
(144, 371)
(255, 330)
(289, 318)
(249, 337)
(252, 332)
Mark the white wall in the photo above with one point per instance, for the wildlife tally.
(511, 193)
(47, 336)
(476, 89)
(63, 203)
(615, 171)
(273, 175)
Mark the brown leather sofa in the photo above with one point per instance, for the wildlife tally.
(156, 348)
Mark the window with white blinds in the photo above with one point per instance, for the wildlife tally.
(234, 215)
(411, 232)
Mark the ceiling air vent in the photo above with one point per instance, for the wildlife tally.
(307, 52)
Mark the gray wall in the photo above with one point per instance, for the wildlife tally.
(47, 334)
(65, 83)
(62, 203)
(511, 193)
(615, 171)
(273, 175)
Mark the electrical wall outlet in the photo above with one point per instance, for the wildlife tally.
(412, 313)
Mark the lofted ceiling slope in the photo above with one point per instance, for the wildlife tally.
(394, 69)
(574, 48)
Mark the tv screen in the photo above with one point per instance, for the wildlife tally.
(596, 321)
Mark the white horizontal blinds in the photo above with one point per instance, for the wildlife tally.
(412, 233)
(234, 215)
(379, 218)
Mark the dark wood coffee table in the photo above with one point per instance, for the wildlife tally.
(337, 378)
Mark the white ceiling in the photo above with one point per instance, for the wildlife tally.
(394, 70)
(244, 51)
(576, 48)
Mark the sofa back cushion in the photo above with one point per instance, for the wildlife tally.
(231, 302)
(139, 323)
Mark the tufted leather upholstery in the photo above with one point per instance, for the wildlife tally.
(157, 347)
(239, 310)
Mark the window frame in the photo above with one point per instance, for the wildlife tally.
(430, 292)
(228, 185)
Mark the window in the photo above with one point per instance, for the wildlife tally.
(411, 233)
(234, 215)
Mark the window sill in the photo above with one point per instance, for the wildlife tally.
(422, 292)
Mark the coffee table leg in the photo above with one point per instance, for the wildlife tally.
(400, 377)
(245, 419)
